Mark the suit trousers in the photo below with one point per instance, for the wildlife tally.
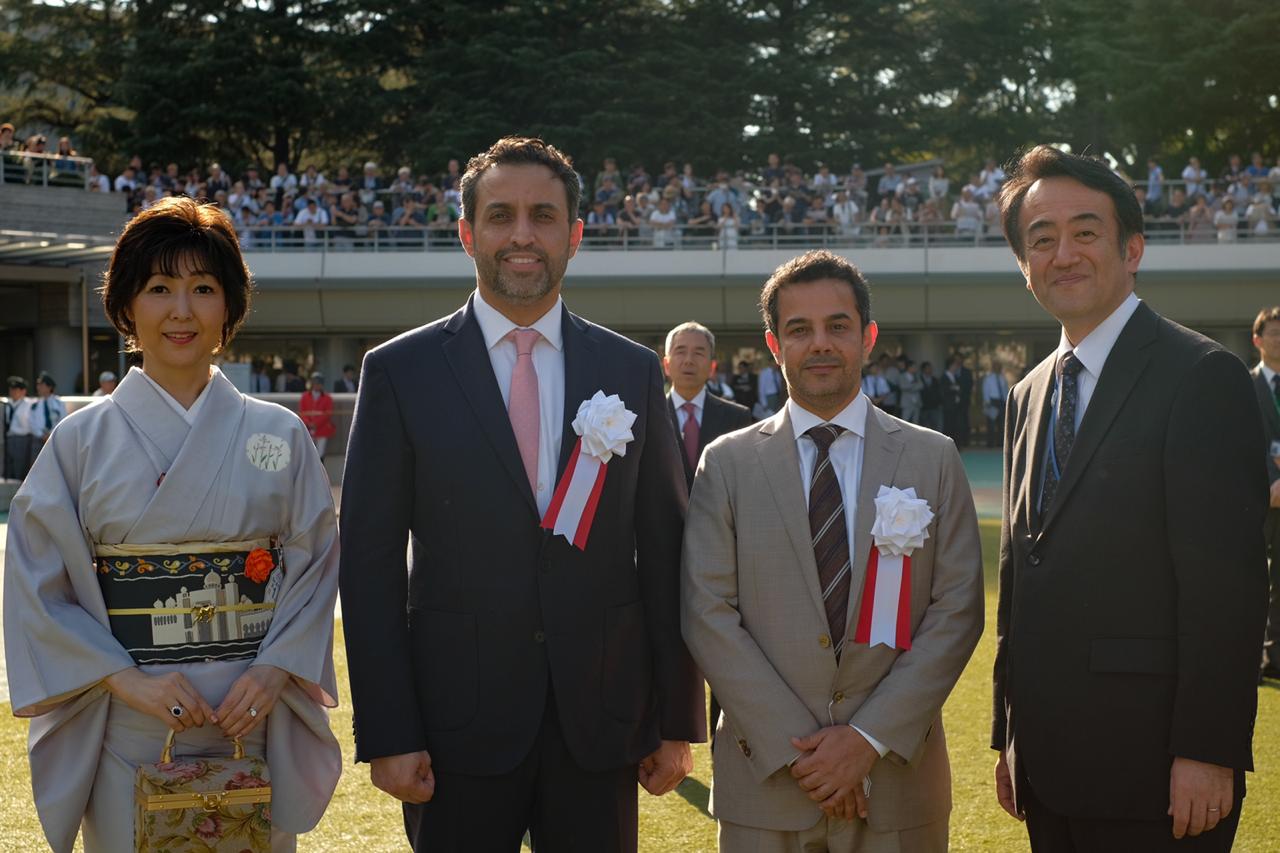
(565, 808)
(834, 835)
(1271, 643)
(1055, 833)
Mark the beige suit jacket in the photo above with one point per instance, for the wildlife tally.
(753, 618)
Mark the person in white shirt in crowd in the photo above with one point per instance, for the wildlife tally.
(939, 184)
(663, 223)
(1195, 177)
(844, 213)
(1227, 221)
(98, 182)
(282, 181)
(995, 392)
(967, 214)
(126, 181)
(106, 384)
(992, 176)
(309, 217)
(49, 408)
(19, 444)
(1259, 215)
(727, 227)
(910, 386)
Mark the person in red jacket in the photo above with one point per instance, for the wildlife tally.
(316, 411)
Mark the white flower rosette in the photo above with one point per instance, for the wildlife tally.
(901, 526)
(603, 425)
(902, 521)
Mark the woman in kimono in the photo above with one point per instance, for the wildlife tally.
(172, 560)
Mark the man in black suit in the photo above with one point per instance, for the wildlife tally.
(955, 406)
(1266, 382)
(1132, 570)
(699, 417)
(347, 383)
(512, 679)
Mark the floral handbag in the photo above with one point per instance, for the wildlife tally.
(209, 805)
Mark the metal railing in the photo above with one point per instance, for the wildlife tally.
(43, 169)
(865, 235)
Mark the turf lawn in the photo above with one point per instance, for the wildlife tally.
(361, 818)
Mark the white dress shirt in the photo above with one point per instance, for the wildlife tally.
(699, 400)
(20, 418)
(846, 461)
(548, 363)
(1092, 353)
(1267, 372)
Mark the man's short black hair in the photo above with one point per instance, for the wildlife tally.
(814, 266)
(520, 150)
(1045, 161)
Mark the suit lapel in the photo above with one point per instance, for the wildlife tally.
(675, 424)
(711, 422)
(581, 380)
(1124, 365)
(1267, 402)
(469, 360)
(780, 462)
(1037, 433)
(881, 450)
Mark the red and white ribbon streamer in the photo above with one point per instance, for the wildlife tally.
(885, 614)
(573, 506)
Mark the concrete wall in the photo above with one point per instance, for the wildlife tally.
(61, 210)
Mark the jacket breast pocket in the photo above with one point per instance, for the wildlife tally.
(626, 683)
(1135, 655)
(446, 667)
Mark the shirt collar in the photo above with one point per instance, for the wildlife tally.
(699, 399)
(1267, 372)
(1097, 345)
(853, 417)
(495, 326)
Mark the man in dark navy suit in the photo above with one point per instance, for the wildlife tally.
(1266, 383)
(699, 417)
(511, 679)
(1132, 568)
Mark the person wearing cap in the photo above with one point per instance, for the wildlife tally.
(106, 384)
(18, 430)
(316, 411)
(49, 408)
(378, 222)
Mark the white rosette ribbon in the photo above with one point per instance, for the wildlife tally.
(603, 425)
(900, 527)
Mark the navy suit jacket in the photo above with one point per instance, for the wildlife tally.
(1131, 611)
(455, 651)
(719, 417)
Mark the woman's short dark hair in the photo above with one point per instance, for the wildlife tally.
(1045, 161)
(520, 150)
(814, 266)
(159, 240)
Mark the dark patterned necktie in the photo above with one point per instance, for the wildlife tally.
(1064, 428)
(829, 533)
(1275, 387)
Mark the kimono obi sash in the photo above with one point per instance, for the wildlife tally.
(191, 601)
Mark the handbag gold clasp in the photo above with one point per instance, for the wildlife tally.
(211, 801)
(203, 612)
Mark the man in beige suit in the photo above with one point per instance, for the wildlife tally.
(832, 665)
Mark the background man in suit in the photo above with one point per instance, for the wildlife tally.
(347, 383)
(512, 680)
(1266, 381)
(699, 417)
(776, 552)
(955, 406)
(1132, 574)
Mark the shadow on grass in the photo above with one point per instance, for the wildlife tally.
(696, 794)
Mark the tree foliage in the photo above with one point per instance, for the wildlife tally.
(712, 82)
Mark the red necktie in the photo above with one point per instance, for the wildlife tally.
(690, 433)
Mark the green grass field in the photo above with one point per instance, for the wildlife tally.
(361, 818)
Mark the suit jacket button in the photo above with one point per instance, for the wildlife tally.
(538, 636)
(824, 641)
(838, 697)
(1033, 559)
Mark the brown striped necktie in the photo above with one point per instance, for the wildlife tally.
(830, 534)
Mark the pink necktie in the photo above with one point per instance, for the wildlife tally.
(690, 434)
(522, 402)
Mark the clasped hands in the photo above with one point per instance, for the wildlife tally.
(409, 777)
(245, 706)
(831, 769)
(1200, 794)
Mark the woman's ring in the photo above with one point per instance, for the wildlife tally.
(253, 712)
(177, 710)
(1215, 810)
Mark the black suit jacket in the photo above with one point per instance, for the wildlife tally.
(456, 655)
(1131, 613)
(719, 416)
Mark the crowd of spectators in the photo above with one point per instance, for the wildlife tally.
(891, 206)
